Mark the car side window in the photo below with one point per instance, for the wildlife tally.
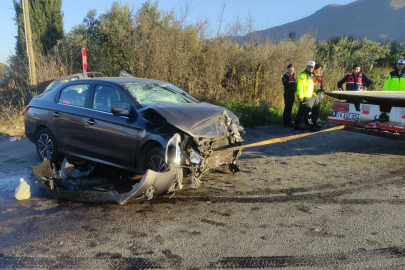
(106, 97)
(74, 95)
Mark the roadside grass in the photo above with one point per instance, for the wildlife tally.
(326, 107)
(262, 115)
(12, 121)
(253, 115)
(16, 129)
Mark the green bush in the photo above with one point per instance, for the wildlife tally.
(254, 115)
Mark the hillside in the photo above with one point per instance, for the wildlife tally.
(378, 20)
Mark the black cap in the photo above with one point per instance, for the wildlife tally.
(290, 66)
(356, 65)
(317, 66)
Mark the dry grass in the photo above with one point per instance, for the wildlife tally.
(397, 4)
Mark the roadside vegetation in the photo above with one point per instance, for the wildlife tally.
(240, 74)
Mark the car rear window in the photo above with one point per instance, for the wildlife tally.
(74, 95)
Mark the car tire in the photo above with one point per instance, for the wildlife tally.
(46, 146)
(155, 161)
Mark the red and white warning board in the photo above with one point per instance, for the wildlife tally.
(84, 60)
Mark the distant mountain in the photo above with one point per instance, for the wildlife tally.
(378, 20)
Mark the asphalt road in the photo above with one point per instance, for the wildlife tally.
(330, 200)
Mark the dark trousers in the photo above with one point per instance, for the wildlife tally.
(316, 107)
(288, 104)
(356, 103)
(305, 110)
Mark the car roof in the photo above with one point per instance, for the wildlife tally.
(119, 80)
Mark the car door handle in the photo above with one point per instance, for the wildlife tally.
(91, 122)
(56, 114)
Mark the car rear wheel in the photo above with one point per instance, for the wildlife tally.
(46, 146)
(155, 161)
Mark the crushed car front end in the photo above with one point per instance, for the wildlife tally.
(211, 137)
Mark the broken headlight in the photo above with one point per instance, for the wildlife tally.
(195, 157)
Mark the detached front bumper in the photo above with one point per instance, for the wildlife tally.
(152, 183)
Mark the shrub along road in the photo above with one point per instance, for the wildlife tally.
(328, 200)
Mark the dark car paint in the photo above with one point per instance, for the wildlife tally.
(98, 136)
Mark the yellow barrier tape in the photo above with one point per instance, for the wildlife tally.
(289, 138)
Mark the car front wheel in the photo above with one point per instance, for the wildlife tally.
(155, 161)
(46, 146)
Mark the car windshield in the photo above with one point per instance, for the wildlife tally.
(149, 93)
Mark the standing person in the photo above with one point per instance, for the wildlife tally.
(305, 92)
(319, 87)
(396, 79)
(355, 81)
(290, 87)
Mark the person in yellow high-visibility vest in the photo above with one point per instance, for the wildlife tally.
(305, 92)
(396, 79)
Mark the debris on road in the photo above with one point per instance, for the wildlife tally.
(22, 192)
(99, 188)
(14, 138)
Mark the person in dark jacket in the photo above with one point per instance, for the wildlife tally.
(355, 81)
(290, 87)
(319, 87)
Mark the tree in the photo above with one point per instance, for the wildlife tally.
(46, 20)
(344, 52)
(3, 68)
(292, 36)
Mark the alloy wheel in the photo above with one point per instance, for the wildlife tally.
(45, 146)
(157, 164)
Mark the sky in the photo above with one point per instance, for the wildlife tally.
(266, 13)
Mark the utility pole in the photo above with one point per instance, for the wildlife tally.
(28, 38)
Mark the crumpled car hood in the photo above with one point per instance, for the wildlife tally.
(198, 119)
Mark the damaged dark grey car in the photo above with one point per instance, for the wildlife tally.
(135, 124)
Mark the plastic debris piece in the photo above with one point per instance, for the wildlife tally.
(319, 207)
(71, 171)
(376, 213)
(22, 192)
(97, 189)
(14, 138)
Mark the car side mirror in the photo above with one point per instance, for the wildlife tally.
(122, 111)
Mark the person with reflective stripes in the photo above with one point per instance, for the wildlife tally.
(396, 79)
(290, 87)
(355, 81)
(305, 92)
(319, 87)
